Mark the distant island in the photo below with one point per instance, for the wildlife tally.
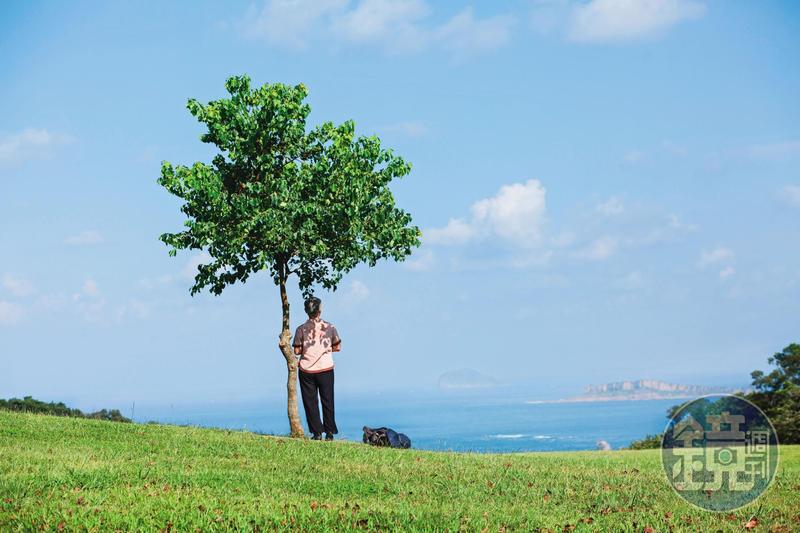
(466, 378)
(643, 389)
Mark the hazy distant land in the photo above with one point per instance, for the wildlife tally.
(466, 378)
(643, 389)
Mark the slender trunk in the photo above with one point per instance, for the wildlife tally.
(295, 426)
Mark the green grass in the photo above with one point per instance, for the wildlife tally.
(80, 474)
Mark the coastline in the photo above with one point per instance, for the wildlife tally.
(600, 399)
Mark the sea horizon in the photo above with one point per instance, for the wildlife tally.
(482, 422)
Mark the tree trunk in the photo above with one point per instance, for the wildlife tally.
(295, 426)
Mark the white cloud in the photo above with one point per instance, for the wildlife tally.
(421, 261)
(357, 292)
(726, 272)
(775, 151)
(289, 23)
(90, 301)
(17, 286)
(396, 26)
(30, 143)
(10, 313)
(52, 302)
(791, 194)
(457, 231)
(90, 288)
(599, 249)
(633, 156)
(674, 149)
(675, 223)
(515, 214)
(85, 238)
(629, 20)
(392, 24)
(717, 255)
(464, 34)
(612, 206)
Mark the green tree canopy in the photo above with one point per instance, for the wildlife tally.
(777, 393)
(282, 197)
(278, 197)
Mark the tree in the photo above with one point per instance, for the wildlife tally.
(31, 405)
(778, 393)
(287, 199)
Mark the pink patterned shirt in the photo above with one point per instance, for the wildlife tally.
(316, 339)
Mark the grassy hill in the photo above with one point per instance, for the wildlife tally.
(64, 473)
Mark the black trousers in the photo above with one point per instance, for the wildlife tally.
(311, 384)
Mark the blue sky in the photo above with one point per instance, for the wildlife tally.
(608, 190)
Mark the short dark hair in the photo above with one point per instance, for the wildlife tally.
(312, 306)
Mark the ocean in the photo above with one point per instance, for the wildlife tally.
(483, 423)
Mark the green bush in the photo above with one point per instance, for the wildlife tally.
(648, 443)
(31, 405)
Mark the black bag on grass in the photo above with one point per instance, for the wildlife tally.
(386, 437)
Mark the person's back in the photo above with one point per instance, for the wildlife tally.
(315, 341)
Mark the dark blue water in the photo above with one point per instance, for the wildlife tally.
(484, 423)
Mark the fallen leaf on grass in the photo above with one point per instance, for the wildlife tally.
(751, 524)
(649, 529)
(314, 506)
(587, 520)
(80, 501)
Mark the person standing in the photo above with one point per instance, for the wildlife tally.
(314, 342)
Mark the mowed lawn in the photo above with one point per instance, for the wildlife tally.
(74, 474)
